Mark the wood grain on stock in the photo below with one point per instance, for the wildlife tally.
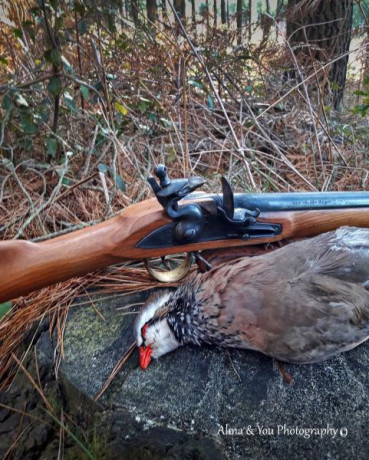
(26, 266)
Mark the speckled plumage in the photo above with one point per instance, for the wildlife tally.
(302, 303)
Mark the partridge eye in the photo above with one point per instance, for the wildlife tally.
(143, 330)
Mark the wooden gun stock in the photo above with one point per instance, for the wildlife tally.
(27, 266)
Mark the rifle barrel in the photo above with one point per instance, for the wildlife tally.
(307, 201)
(27, 266)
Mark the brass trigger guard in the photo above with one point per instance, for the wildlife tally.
(171, 276)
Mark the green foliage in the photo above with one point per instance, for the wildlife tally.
(5, 307)
(117, 178)
(122, 109)
(102, 168)
(210, 102)
(84, 91)
(51, 145)
(7, 103)
(27, 121)
(70, 433)
(358, 19)
(363, 108)
(120, 183)
(79, 8)
(144, 104)
(70, 102)
(55, 86)
(17, 33)
(55, 57)
(203, 9)
(140, 107)
(3, 61)
(83, 27)
(28, 27)
(196, 84)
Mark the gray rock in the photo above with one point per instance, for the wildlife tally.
(214, 403)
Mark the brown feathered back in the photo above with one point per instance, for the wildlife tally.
(302, 303)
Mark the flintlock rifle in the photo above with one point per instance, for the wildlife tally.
(178, 220)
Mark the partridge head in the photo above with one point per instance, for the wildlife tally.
(301, 304)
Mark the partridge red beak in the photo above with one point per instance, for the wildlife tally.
(145, 356)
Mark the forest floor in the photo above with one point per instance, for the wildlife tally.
(248, 121)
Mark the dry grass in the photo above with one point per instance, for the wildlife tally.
(54, 302)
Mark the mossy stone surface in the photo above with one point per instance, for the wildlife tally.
(235, 403)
